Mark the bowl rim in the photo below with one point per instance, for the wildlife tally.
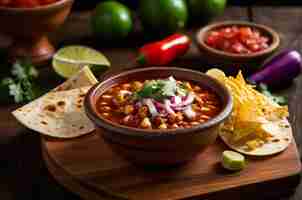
(57, 4)
(137, 132)
(274, 36)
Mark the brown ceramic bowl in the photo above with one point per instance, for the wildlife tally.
(226, 59)
(158, 147)
(29, 28)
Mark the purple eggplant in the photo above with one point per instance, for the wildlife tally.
(281, 69)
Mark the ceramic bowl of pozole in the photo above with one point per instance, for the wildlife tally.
(158, 115)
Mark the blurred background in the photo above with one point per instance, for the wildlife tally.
(84, 4)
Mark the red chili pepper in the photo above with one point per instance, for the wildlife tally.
(164, 51)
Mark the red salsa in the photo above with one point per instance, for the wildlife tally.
(237, 39)
(158, 104)
(25, 3)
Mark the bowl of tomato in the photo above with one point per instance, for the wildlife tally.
(158, 115)
(237, 43)
(29, 22)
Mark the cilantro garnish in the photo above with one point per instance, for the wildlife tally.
(281, 100)
(161, 89)
(20, 83)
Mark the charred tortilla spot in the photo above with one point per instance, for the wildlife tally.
(286, 139)
(82, 95)
(79, 106)
(81, 127)
(275, 140)
(51, 108)
(61, 103)
(44, 122)
(80, 101)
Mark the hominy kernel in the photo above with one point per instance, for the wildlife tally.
(106, 97)
(103, 103)
(106, 108)
(106, 114)
(194, 123)
(206, 117)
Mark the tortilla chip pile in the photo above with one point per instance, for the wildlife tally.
(252, 124)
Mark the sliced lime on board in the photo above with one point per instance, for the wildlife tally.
(232, 160)
(69, 60)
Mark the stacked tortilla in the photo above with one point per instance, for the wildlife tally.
(60, 113)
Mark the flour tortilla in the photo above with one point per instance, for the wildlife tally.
(57, 114)
(281, 132)
(65, 116)
(82, 79)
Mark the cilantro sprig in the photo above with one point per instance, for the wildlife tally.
(281, 100)
(20, 83)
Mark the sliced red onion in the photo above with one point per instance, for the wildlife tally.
(160, 108)
(176, 101)
(137, 105)
(158, 105)
(167, 106)
(189, 99)
(151, 107)
(189, 112)
(179, 108)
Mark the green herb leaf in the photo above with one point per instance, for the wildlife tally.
(21, 83)
(281, 100)
(160, 89)
(16, 91)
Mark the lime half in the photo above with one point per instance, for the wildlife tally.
(232, 160)
(69, 60)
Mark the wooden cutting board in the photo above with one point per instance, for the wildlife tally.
(87, 167)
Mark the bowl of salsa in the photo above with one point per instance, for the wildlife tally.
(158, 115)
(238, 43)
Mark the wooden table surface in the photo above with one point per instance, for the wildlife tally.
(23, 174)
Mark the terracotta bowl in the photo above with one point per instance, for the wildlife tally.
(243, 61)
(158, 147)
(29, 28)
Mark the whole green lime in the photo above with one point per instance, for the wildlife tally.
(205, 10)
(111, 20)
(163, 16)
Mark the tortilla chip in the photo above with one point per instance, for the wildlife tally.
(57, 114)
(60, 112)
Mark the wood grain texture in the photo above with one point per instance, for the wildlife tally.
(23, 172)
(88, 160)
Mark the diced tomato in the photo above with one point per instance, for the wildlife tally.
(254, 47)
(212, 40)
(236, 39)
(239, 48)
(245, 32)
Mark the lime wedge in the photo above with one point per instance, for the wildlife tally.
(216, 73)
(69, 60)
(232, 160)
